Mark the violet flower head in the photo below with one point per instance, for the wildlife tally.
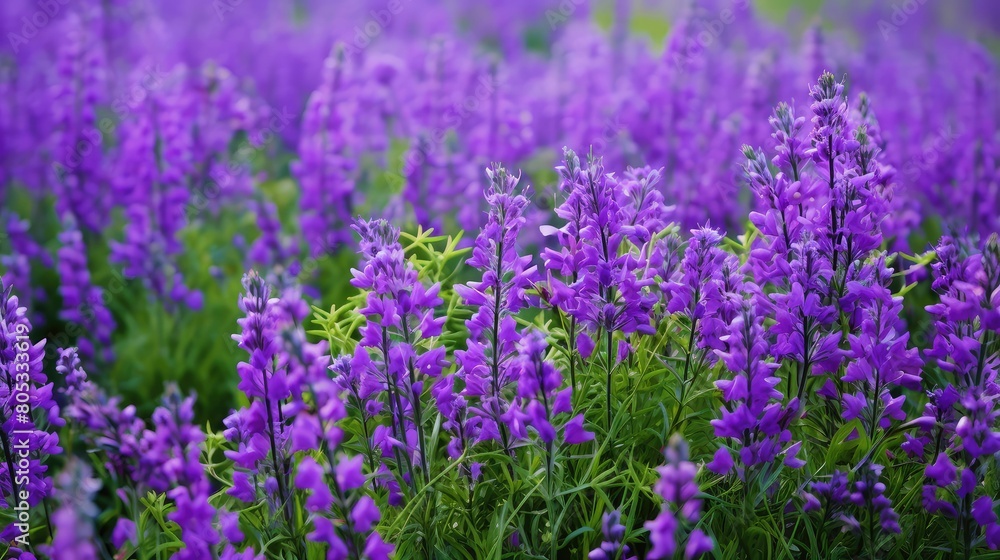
(398, 335)
(542, 396)
(174, 446)
(613, 547)
(610, 295)
(702, 261)
(791, 155)
(485, 365)
(344, 518)
(83, 302)
(777, 219)
(20, 366)
(829, 108)
(260, 431)
(880, 359)
(326, 165)
(73, 521)
(803, 317)
(754, 417)
(681, 508)
(833, 497)
(869, 492)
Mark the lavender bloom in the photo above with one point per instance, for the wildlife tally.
(260, 430)
(105, 425)
(682, 506)
(73, 521)
(778, 221)
(400, 312)
(542, 398)
(610, 297)
(754, 416)
(23, 468)
(326, 166)
(803, 320)
(270, 249)
(614, 533)
(960, 418)
(689, 295)
(83, 303)
(880, 360)
(791, 156)
(349, 534)
(76, 138)
(174, 446)
(485, 367)
(608, 287)
(154, 164)
(870, 493)
(830, 144)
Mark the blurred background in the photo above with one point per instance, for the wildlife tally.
(153, 151)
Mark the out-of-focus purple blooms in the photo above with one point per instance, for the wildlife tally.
(153, 167)
(681, 508)
(270, 248)
(73, 521)
(77, 142)
(613, 547)
(326, 157)
(84, 309)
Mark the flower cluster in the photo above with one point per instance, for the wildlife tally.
(395, 354)
(481, 411)
(612, 548)
(682, 507)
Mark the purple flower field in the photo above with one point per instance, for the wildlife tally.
(577, 279)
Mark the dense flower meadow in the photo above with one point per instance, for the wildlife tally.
(520, 280)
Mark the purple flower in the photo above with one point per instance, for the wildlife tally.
(880, 359)
(83, 303)
(73, 520)
(485, 366)
(173, 445)
(613, 547)
(542, 397)
(754, 417)
(606, 289)
(682, 506)
(343, 518)
(869, 493)
(941, 471)
(22, 374)
(326, 165)
(398, 337)
(259, 431)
